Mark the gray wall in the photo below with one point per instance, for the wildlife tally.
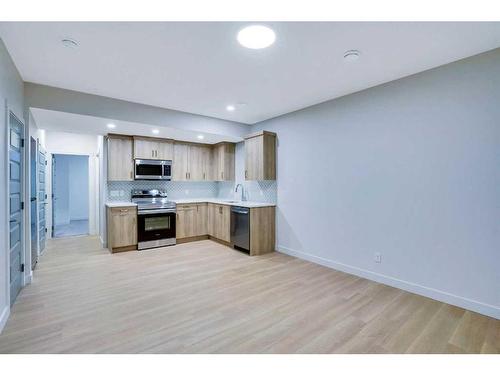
(410, 169)
(11, 90)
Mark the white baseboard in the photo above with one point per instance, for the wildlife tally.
(452, 299)
(3, 317)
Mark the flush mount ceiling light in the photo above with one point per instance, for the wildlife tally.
(351, 55)
(230, 108)
(155, 131)
(256, 37)
(70, 43)
(200, 136)
(111, 126)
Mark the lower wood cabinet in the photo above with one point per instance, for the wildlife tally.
(122, 228)
(202, 219)
(219, 221)
(191, 220)
(262, 230)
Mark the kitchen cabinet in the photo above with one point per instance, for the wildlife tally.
(200, 163)
(153, 148)
(223, 161)
(192, 162)
(191, 220)
(180, 166)
(260, 156)
(120, 162)
(262, 230)
(122, 228)
(219, 221)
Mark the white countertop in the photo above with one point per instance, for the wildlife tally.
(228, 202)
(121, 204)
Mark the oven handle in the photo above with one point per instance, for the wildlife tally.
(148, 212)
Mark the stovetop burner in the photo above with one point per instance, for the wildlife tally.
(151, 199)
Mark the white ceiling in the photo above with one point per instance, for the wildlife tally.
(73, 123)
(199, 67)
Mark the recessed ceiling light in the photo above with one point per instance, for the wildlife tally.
(256, 37)
(351, 55)
(155, 131)
(70, 43)
(200, 136)
(230, 108)
(111, 126)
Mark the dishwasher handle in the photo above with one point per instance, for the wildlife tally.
(240, 210)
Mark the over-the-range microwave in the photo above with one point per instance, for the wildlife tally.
(153, 169)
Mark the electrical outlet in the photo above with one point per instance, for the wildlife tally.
(378, 258)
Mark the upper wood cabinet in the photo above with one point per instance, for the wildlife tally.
(153, 148)
(192, 162)
(180, 166)
(223, 161)
(260, 156)
(120, 162)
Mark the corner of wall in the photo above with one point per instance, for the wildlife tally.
(4, 315)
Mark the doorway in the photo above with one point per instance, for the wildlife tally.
(16, 206)
(33, 202)
(70, 195)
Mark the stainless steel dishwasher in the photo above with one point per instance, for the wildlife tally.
(240, 228)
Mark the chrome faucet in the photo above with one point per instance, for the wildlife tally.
(242, 191)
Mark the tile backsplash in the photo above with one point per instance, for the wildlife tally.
(120, 190)
(260, 191)
(256, 191)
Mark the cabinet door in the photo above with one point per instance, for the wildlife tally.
(219, 222)
(227, 161)
(186, 221)
(123, 225)
(207, 163)
(144, 148)
(201, 222)
(164, 150)
(120, 163)
(260, 156)
(217, 162)
(254, 159)
(211, 219)
(195, 168)
(225, 224)
(180, 162)
(224, 161)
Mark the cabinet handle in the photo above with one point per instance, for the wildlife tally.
(131, 175)
(203, 175)
(222, 175)
(186, 175)
(156, 153)
(246, 174)
(220, 209)
(152, 153)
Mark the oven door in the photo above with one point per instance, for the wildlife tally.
(155, 228)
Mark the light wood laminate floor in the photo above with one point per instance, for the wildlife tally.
(203, 297)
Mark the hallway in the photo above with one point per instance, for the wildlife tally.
(74, 228)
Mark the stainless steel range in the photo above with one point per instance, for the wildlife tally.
(155, 218)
